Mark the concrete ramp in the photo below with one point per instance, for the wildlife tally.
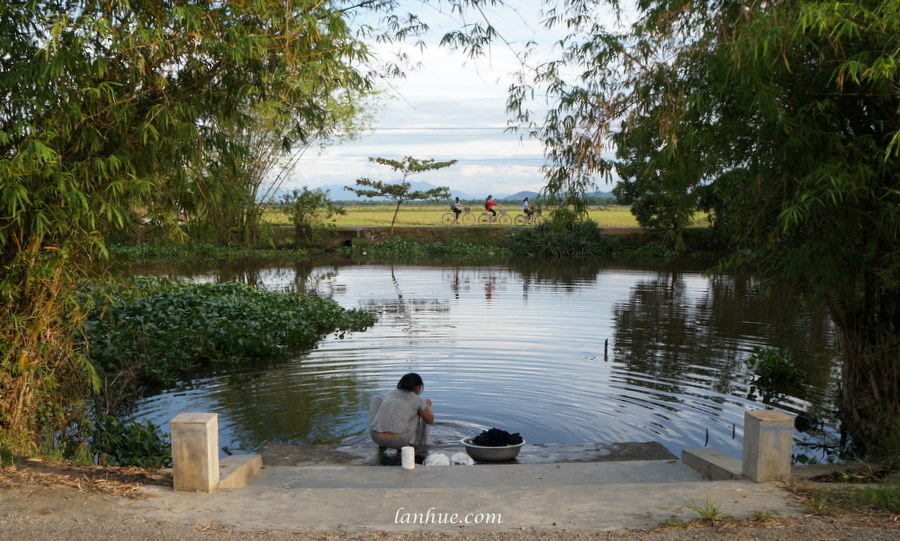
(484, 476)
(604, 495)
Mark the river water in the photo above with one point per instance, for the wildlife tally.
(559, 354)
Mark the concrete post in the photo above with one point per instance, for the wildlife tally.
(195, 451)
(768, 440)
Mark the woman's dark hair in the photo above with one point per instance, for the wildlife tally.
(410, 381)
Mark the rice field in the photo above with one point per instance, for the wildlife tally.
(419, 215)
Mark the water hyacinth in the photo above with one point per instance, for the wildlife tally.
(156, 332)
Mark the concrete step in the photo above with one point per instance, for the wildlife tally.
(712, 464)
(484, 475)
(235, 471)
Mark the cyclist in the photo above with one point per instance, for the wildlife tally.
(489, 205)
(526, 208)
(454, 206)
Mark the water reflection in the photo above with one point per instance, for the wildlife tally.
(560, 354)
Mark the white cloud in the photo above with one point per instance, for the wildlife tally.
(451, 108)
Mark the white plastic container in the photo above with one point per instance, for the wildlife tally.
(407, 457)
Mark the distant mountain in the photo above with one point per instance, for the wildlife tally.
(518, 196)
(522, 195)
(338, 193)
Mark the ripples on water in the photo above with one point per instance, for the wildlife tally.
(607, 355)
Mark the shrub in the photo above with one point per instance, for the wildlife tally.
(406, 251)
(773, 366)
(193, 252)
(565, 236)
(130, 443)
(311, 212)
(651, 253)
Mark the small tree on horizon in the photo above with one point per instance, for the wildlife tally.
(400, 192)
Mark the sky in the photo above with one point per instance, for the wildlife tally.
(450, 108)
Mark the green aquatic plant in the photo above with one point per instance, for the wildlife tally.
(773, 366)
(115, 442)
(193, 252)
(153, 333)
(400, 250)
(651, 253)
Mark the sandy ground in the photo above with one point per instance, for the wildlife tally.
(33, 513)
(45, 501)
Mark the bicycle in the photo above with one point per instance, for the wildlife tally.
(536, 218)
(465, 218)
(502, 218)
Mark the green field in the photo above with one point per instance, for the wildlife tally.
(606, 216)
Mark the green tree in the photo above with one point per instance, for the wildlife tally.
(311, 211)
(246, 163)
(658, 197)
(106, 111)
(402, 191)
(786, 117)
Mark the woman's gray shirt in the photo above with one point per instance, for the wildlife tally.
(398, 412)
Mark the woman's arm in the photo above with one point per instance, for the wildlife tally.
(427, 414)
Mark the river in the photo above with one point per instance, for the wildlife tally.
(563, 354)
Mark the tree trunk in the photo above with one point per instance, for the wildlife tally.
(870, 403)
(394, 219)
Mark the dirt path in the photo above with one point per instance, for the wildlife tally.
(34, 513)
(45, 501)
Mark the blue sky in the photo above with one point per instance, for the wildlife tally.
(451, 108)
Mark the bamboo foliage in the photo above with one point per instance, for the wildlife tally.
(782, 119)
(107, 109)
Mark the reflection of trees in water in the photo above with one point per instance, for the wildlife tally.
(649, 330)
(664, 333)
(457, 279)
(403, 308)
(321, 282)
(251, 271)
(290, 398)
(413, 315)
(561, 274)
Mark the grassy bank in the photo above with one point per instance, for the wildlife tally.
(375, 215)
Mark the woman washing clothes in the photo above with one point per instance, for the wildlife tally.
(402, 416)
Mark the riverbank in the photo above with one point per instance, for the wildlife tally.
(476, 234)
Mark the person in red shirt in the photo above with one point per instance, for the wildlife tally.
(489, 205)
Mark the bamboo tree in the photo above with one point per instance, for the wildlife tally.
(246, 162)
(106, 110)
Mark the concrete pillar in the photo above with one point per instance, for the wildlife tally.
(195, 451)
(768, 440)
